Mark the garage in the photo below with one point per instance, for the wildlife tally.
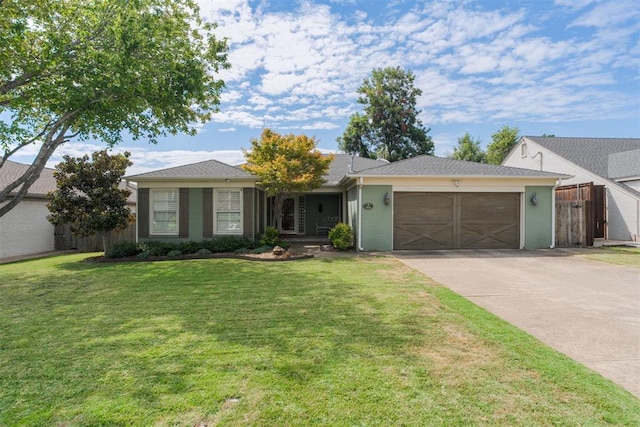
(424, 220)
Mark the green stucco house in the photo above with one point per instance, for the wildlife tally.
(420, 203)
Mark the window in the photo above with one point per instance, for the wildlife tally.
(228, 212)
(164, 212)
(523, 150)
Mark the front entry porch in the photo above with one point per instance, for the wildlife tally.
(309, 215)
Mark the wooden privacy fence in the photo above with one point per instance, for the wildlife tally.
(572, 217)
(580, 214)
(65, 240)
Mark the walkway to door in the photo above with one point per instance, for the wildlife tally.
(586, 309)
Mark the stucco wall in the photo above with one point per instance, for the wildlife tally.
(622, 207)
(25, 229)
(538, 219)
(377, 222)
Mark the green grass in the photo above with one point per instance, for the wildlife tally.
(332, 341)
(616, 255)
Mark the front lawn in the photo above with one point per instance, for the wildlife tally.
(331, 341)
(616, 255)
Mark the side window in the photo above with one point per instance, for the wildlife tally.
(164, 212)
(228, 211)
(523, 150)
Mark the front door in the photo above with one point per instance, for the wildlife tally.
(289, 218)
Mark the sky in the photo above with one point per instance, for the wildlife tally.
(562, 67)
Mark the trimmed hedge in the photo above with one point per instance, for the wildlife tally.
(158, 248)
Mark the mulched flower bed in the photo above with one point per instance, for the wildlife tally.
(266, 256)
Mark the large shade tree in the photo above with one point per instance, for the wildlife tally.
(388, 128)
(95, 69)
(285, 165)
(88, 195)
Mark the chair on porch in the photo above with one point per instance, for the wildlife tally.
(327, 223)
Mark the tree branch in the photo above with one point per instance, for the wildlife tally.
(55, 137)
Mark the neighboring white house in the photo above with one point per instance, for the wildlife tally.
(25, 229)
(612, 162)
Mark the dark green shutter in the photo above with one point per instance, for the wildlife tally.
(143, 212)
(207, 213)
(183, 200)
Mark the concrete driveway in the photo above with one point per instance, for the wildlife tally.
(586, 309)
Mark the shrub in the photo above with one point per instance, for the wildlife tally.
(269, 237)
(190, 247)
(157, 248)
(122, 250)
(174, 253)
(341, 236)
(227, 244)
(143, 255)
(262, 249)
(204, 251)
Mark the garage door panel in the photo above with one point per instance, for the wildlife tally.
(425, 236)
(423, 221)
(456, 220)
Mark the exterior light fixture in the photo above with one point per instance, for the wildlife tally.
(534, 199)
(386, 199)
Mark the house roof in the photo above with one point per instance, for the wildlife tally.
(431, 166)
(46, 183)
(591, 154)
(11, 171)
(202, 170)
(344, 164)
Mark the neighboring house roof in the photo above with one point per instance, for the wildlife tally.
(46, 183)
(591, 154)
(431, 166)
(625, 164)
(201, 170)
(610, 158)
(11, 171)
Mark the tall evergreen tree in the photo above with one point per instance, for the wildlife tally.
(388, 127)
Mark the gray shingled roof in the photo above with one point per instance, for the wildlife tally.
(340, 166)
(432, 166)
(46, 183)
(200, 170)
(589, 153)
(11, 171)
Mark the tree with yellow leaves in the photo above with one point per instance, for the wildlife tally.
(285, 165)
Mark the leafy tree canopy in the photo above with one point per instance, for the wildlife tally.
(88, 194)
(468, 149)
(97, 68)
(389, 127)
(502, 142)
(286, 164)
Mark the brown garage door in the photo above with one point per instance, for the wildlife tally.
(456, 220)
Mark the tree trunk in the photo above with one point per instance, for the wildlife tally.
(105, 241)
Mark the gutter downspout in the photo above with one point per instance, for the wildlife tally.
(360, 215)
(553, 214)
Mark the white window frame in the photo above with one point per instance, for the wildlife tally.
(523, 150)
(216, 197)
(152, 196)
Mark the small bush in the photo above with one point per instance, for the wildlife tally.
(204, 251)
(190, 247)
(241, 251)
(143, 255)
(341, 236)
(269, 237)
(227, 244)
(262, 249)
(123, 250)
(174, 253)
(157, 248)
